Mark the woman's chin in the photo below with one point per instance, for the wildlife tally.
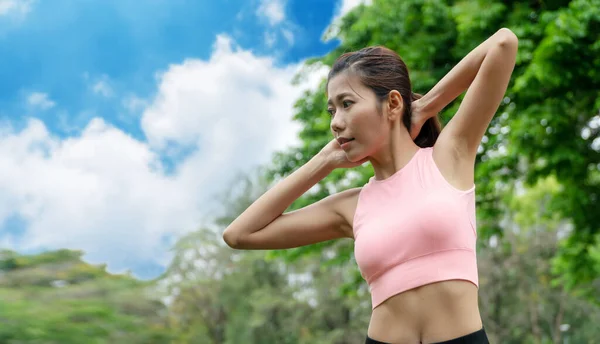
(354, 157)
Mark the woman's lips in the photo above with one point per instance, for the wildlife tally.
(346, 143)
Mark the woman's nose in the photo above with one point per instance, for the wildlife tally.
(337, 124)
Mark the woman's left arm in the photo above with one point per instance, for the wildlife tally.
(486, 72)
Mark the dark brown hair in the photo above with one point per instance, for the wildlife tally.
(382, 70)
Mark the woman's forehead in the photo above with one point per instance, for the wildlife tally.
(343, 83)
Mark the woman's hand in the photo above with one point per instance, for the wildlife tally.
(335, 157)
(418, 118)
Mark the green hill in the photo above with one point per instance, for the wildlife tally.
(55, 297)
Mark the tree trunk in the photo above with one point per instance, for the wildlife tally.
(535, 326)
(559, 318)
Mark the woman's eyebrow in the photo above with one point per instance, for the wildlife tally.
(339, 97)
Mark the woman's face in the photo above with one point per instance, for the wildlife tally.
(355, 115)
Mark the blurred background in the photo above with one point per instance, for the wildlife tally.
(133, 132)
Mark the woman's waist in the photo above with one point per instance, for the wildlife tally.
(431, 313)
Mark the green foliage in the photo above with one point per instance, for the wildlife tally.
(520, 304)
(11, 260)
(559, 92)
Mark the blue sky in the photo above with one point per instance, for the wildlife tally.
(120, 120)
(66, 48)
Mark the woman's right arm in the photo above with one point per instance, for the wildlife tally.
(264, 225)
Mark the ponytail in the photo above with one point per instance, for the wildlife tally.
(431, 128)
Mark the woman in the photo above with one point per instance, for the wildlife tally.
(414, 222)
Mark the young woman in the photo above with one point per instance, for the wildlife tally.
(414, 222)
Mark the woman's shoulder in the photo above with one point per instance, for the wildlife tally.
(346, 203)
(349, 196)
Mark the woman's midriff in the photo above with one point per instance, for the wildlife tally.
(432, 313)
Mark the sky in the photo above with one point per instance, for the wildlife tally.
(120, 120)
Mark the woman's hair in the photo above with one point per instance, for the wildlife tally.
(382, 70)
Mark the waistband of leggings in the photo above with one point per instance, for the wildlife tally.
(477, 337)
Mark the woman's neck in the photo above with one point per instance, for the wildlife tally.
(394, 154)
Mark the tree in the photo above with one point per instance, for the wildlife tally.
(548, 124)
(520, 304)
(219, 295)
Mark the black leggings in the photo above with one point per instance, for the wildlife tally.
(477, 337)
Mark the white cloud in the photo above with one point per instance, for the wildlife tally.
(107, 193)
(269, 38)
(103, 88)
(347, 6)
(288, 35)
(232, 99)
(272, 10)
(18, 7)
(102, 192)
(100, 84)
(134, 103)
(40, 100)
(343, 8)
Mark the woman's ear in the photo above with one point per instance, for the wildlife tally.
(395, 105)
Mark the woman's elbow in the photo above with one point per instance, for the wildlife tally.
(507, 38)
(231, 239)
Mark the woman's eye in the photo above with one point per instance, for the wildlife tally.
(346, 103)
(330, 111)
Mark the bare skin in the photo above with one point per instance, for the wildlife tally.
(430, 313)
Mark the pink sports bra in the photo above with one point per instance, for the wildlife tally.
(414, 228)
